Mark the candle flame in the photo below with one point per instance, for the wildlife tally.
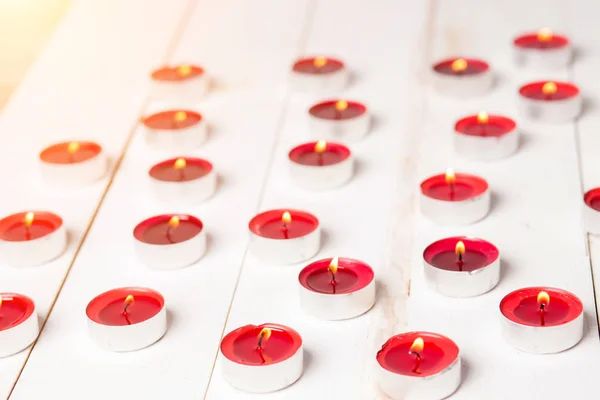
(549, 88)
(341, 105)
(73, 147)
(333, 265)
(264, 335)
(460, 248)
(320, 146)
(129, 299)
(459, 65)
(184, 70)
(483, 117)
(319, 61)
(29, 217)
(180, 116)
(450, 176)
(543, 298)
(0, 301)
(544, 35)
(286, 218)
(417, 346)
(174, 221)
(180, 163)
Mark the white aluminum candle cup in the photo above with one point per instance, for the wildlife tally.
(185, 84)
(528, 52)
(88, 164)
(485, 147)
(308, 75)
(590, 215)
(183, 137)
(476, 80)
(335, 170)
(346, 121)
(192, 189)
(21, 332)
(556, 111)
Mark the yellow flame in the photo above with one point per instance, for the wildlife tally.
(458, 65)
(549, 88)
(460, 248)
(0, 301)
(180, 163)
(129, 299)
(320, 146)
(286, 218)
(73, 147)
(333, 265)
(450, 176)
(180, 116)
(341, 105)
(417, 346)
(174, 221)
(483, 117)
(265, 334)
(319, 61)
(543, 298)
(184, 70)
(29, 217)
(544, 35)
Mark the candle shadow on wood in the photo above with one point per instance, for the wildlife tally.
(464, 370)
(307, 360)
(590, 325)
(359, 168)
(588, 106)
(324, 239)
(506, 269)
(169, 322)
(525, 142)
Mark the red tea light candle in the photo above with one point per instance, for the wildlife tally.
(319, 74)
(31, 238)
(462, 77)
(262, 358)
(542, 320)
(170, 241)
(72, 163)
(542, 50)
(185, 82)
(550, 102)
(18, 323)
(591, 211)
(419, 366)
(461, 266)
(127, 319)
(484, 137)
(455, 198)
(337, 288)
(183, 180)
(175, 130)
(339, 120)
(321, 165)
(285, 236)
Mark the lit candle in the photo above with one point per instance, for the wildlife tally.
(175, 130)
(262, 358)
(285, 236)
(337, 288)
(542, 50)
(542, 320)
(462, 77)
(550, 101)
(127, 319)
(321, 165)
(319, 74)
(185, 83)
(18, 323)
(170, 241)
(485, 137)
(591, 211)
(339, 119)
(183, 180)
(72, 163)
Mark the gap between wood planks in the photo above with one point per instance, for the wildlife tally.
(179, 31)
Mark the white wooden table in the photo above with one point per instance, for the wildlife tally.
(92, 83)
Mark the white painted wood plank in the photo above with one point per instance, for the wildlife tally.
(89, 83)
(377, 41)
(243, 117)
(534, 219)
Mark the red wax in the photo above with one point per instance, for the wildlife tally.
(241, 345)
(474, 67)
(108, 307)
(59, 153)
(307, 66)
(305, 154)
(496, 126)
(15, 309)
(157, 230)
(521, 307)
(351, 276)
(13, 228)
(531, 41)
(166, 120)
(592, 198)
(534, 91)
(438, 353)
(466, 187)
(269, 224)
(174, 74)
(327, 110)
(194, 168)
(478, 254)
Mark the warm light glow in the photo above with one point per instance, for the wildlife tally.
(459, 65)
(184, 70)
(483, 117)
(180, 116)
(333, 265)
(460, 248)
(544, 35)
(286, 218)
(129, 299)
(174, 221)
(180, 163)
(341, 105)
(320, 146)
(319, 61)
(73, 147)
(549, 88)
(417, 346)
(0, 301)
(264, 335)
(543, 299)
(29, 217)
(450, 176)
